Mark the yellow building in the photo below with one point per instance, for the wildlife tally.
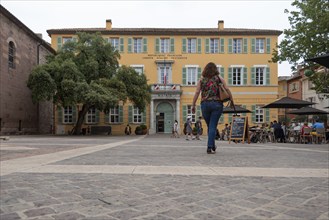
(172, 59)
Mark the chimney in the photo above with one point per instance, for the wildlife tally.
(39, 35)
(220, 25)
(108, 24)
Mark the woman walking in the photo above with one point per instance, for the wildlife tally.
(211, 106)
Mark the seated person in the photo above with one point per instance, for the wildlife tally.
(303, 127)
(317, 124)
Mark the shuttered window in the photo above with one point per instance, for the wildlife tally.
(11, 55)
(91, 116)
(191, 45)
(164, 45)
(114, 115)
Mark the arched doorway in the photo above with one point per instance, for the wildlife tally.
(164, 118)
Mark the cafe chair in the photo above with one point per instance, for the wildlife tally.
(319, 134)
(307, 135)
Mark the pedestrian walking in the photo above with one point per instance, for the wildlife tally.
(175, 130)
(198, 126)
(211, 106)
(188, 128)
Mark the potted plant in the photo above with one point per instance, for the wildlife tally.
(138, 130)
(144, 128)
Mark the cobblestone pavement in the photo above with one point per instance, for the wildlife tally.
(158, 177)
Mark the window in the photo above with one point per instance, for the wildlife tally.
(137, 45)
(11, 55)
(191, 75)
(114, 42)
(67, 39)
(237, 76)
(189, 113)
(191, 45)
(260, 76)
(164, 74)
(259, 114)
(137, 115)
(214, 45)
(260, 42)
(138, 68)
(91, 116)
(237, 45)
(293, 87)
(68, 114)
(164, 45)
(114, 115)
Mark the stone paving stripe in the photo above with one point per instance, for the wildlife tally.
(16, 148)
(26, 163)
(181, 170)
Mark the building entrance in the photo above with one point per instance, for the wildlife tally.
(164, 118)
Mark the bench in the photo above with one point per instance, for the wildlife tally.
(107, 130)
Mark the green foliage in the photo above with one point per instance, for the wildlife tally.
(309, 33)
(143, 127)
(86, 72)
(320, 81)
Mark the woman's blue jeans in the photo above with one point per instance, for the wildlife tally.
(211, 112)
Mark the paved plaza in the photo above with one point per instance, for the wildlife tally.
(158, 177)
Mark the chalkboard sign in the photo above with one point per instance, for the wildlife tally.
(239, 129)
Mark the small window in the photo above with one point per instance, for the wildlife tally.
(189, 113)
(191, 45)
(164, 45)
(214, 45)
(237, 76)
(68, 114)
(137, 45)
(191, 75)
(260, 45)
(259, 114)
(91, 116)
(237, 45)
(137, 115)
(114, 115)
(114, 42)
(11, 55)
(260, 76)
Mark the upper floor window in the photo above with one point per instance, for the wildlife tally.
(67, 39)
(165, 72)
(260, 42)
(214, 45)
(293, 87)
(68, 114)
(191, 75)
(237, 45)
(137, 45)
(91, 116)
(237, 76)
(259, 114)
(164, 45)
(114, 115)
(191, 45)
(260, 76)
(138, 68)
(11, 55)
(115, 43)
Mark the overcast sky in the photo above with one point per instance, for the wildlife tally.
(40, 16)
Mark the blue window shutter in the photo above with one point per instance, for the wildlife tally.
(222, 44)
(59, 114)
(199, 73)
(97, 115)
(199, 45)
(222, 72)
(268, 45)
(268, 76)
(245, 45)
(172, 45)
(198, 111)
(74, 114)
(120, 114)
(106, 117)
(253, 45)
(145, 45)
(121, 44)
(157, 45)
(59, 43)
(230, 48)
(130, 114)
(253, 75)
(245, 76)
(184, 76)
(184, 113)
(267, 115)
(230, 80)
(130, 41)
(207, 40)
(253, 107)
(184, 45)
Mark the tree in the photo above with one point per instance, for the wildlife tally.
(309, 33)
(86, 72)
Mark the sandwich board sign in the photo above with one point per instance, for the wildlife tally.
(239, 129)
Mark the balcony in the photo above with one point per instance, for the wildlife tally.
(172, 89)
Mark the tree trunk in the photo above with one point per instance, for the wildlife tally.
(81, 116)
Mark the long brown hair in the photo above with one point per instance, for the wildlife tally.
(210, 70)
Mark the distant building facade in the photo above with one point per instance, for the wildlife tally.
(21, 50)
(172, 60)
